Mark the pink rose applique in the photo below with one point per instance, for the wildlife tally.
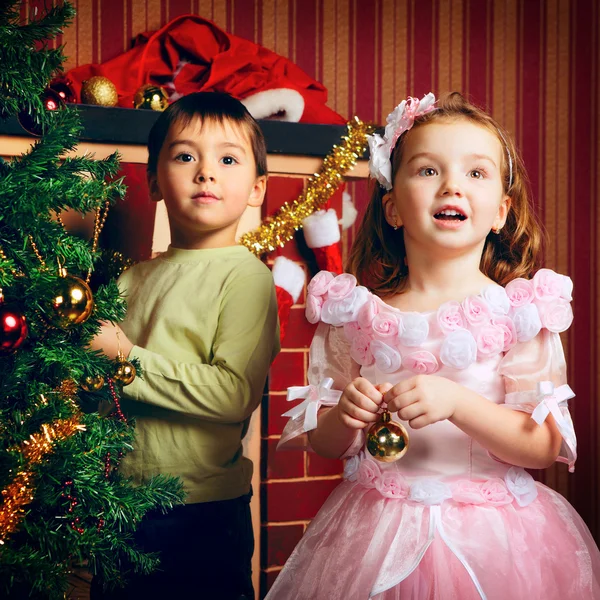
(368, 473)
(495, 492)
(567, 288)
(450, 317)
(387, 359)
(508, 330)
(467, 492)
(496, 297)
(547, 285)
(459, 349)
(338, 312)
(367, 313)
(360, 349)
(385, 326)
(422, 362)
(392, 485)
(527, 322)
(319, 284)
(476, 310)
(490, 340)
(341, 287)
(556, 316)
(314, 304)
(414, 330)
(520, 292)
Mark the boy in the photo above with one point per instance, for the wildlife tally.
(202, 321)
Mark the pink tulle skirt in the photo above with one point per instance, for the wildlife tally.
(362, 545)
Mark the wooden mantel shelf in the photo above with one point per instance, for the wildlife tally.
(293, 148)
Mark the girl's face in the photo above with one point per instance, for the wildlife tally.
(448, 191)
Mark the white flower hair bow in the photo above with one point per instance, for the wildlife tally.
(401, 119)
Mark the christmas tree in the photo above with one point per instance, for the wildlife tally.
(63, 501)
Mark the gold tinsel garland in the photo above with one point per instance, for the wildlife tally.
(280, 228)
(19, 492)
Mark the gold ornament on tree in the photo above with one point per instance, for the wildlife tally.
(387, 441)
(99, 90)
(151, 97)
(72, 302)
(125, 372)
(93, 384)
(280, 228)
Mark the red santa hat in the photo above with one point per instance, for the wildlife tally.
(322, 235)
(289, 280)
(191, 54)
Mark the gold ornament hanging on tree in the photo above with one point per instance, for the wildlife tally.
(72, 303)
(100, 91)
(93, 384)
(125, 371)
(280, 228)
(151, 97)
(387, 441)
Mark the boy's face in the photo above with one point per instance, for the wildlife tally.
(206, 174)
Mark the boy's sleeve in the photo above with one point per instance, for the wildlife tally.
(228, 389)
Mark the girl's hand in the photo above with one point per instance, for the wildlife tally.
(110, 339)
(359, 404)
(423, 399)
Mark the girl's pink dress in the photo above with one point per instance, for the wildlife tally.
(447, 521)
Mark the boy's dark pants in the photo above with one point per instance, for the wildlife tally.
(205, 552)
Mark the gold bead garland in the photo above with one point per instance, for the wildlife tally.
(19, 492)
(99, 221)
(280, 228)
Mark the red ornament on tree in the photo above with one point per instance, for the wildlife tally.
(52, 101)
(13, 328)
(64, 88)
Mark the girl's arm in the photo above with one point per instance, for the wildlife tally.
(511, 435)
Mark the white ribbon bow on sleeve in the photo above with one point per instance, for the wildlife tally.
(315, 396)
(551, 401)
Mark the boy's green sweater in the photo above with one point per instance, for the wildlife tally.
(204, 324)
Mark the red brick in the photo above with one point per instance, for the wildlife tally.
(287, 370)
(277, 543)
(295, 500)
(285, 464)
(317, 465)
(267, 579)
(300, 332)
(273, 422)
(281, 190)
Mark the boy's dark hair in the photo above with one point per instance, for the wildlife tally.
(208, 106)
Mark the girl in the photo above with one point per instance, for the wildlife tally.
(453, 335)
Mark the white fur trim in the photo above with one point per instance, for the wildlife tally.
(270, 103)
(289, 276)
(321, 229)
(349, 211)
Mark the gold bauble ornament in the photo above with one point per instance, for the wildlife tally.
(93, 384)
(72, 302)
(125, 371)
(99, 90)
(151, 97)
(387, 440)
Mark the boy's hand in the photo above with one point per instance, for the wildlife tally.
(423, 399)
(359, 404)
(110, 339)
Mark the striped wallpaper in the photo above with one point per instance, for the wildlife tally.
(532, 63)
